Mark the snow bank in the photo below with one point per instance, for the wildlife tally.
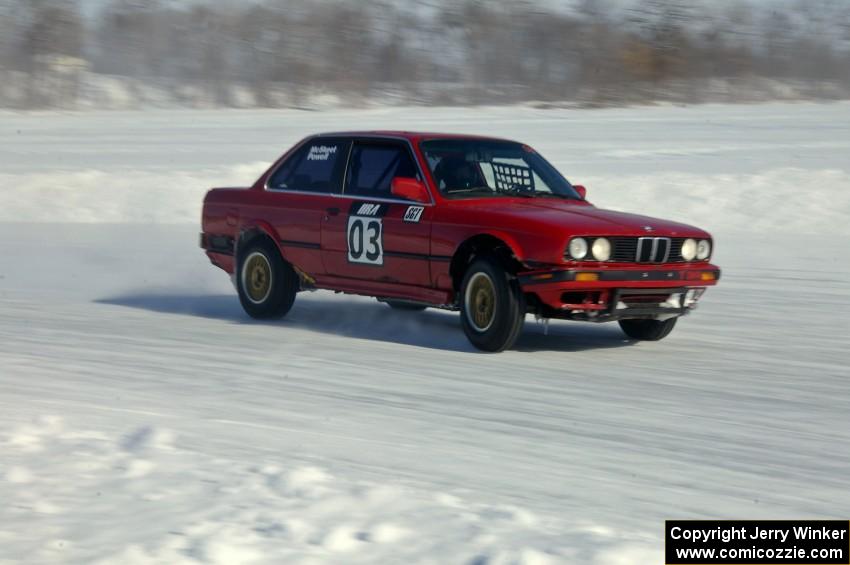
(141, 498)
(128, 196)
(780, 202)
(783, 200)
(768, 168)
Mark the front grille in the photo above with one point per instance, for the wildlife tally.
(652, 249)
(676, 250)
(624, 249)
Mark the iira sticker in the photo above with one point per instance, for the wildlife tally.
(368, 210)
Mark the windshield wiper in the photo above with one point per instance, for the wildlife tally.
(470, 191)
(516, 192)
(473, 189)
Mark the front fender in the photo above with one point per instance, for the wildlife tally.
(510, 240)
(532, 249)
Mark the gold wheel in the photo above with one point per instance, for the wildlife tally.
(257, 277)
(480, 302)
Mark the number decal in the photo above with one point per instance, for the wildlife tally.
(355, 239)
(375, 252)
(365, 240)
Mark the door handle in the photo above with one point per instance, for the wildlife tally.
(333, 211)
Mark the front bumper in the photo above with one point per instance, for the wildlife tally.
(605, 294)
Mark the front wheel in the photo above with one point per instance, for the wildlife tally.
(492, 306)
(648, 330)
(265, 282)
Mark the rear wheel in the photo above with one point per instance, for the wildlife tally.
(492, 305)
(648, 330)
(265, 282)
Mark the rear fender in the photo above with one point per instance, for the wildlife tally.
(257, 228)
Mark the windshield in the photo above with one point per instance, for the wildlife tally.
(475, 168)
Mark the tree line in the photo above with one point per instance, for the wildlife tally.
(268, 53)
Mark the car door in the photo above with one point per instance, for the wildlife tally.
(377, 236)
(299, 194)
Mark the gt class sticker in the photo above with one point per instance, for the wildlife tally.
(413, 214)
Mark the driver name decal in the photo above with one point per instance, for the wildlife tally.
(321, 152)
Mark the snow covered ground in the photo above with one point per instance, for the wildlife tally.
(144, 418)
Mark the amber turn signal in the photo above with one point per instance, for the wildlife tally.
(585, 277)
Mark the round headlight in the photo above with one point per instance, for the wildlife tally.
(689, 249)
(703, 249)
(578, 248)
(601, 249)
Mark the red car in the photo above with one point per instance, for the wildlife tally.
(481, 225)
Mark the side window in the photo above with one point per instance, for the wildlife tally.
(315, 167)
(374, 166)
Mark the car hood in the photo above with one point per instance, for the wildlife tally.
(583, 219)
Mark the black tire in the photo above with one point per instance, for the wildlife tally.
(498, 330)
(402, 305)
(648, 330)
(266, 283)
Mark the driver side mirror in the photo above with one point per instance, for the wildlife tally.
(410, 189)
(582, 191)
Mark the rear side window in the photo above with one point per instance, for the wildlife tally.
(374, 166)
(315, 167)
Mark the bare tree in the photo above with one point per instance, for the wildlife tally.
(285, 52)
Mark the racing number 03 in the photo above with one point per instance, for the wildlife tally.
(365, 240)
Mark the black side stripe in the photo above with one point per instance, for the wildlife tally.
(398, 254)
(419, 256)
(304, 244)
